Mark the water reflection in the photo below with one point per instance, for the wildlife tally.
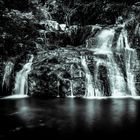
(112, 112)
(24, 110)
(123, 111)
(90, 112)
(28, 112)
(132, 110)
(72, 115)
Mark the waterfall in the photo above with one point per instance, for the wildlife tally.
(104, 55)
(104, 47)
(7, 73)
(21, 81)
(131, 61)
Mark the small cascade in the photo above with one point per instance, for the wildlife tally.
(21, 81)
(89, 92)
(7, 73)
(58, 88)
(104, 41)
(137, 30)
(71, 81)
(97, 83)
(71, 89)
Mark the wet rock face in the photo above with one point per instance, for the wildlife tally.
(56, 73)
(104, 80)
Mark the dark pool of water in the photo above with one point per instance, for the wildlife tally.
(68, 118)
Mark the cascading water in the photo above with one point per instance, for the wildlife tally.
(6, 78)
(104, 42)
(105, 56)
(89, 92)
(129, 55)
(21, 81)
(103, 49)
(131, 61)
(117, 82)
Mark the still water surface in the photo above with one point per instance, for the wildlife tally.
(69, 117)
